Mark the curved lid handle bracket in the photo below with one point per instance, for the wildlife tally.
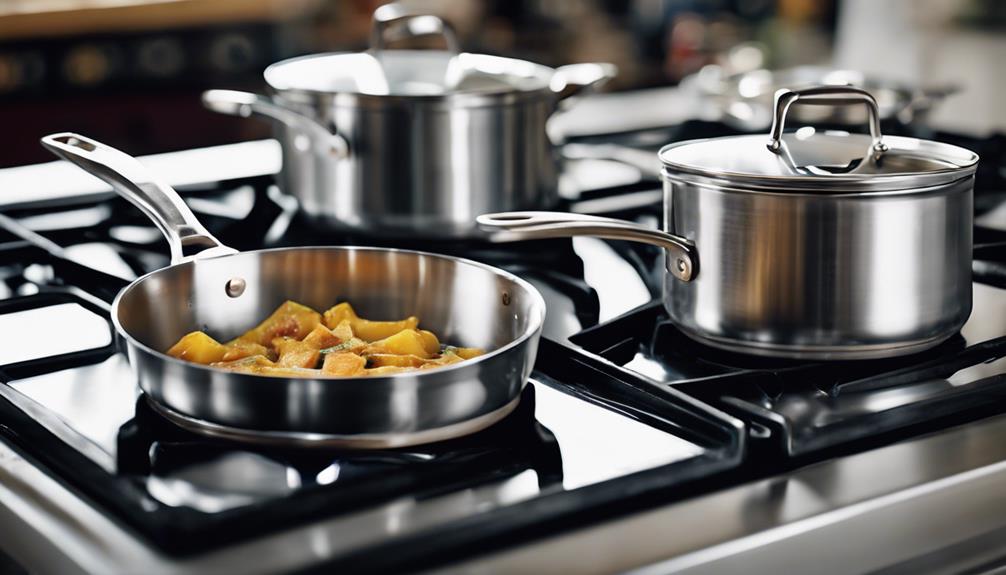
(395, 22)
(826, 96)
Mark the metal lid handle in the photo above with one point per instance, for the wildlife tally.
(394, 20)
(131, 180)
(826, 96)
(682, 259)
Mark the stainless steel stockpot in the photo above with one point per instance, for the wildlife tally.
(212, 287)
(413, 142)
(812, 245)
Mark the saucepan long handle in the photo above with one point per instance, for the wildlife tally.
(131, 180)
(682, 259)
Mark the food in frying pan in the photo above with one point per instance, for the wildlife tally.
(300, 342)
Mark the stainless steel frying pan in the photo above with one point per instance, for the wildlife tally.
(211, 287)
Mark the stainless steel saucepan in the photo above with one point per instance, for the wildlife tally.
(824, 245)
(413, 142)
(214, 288)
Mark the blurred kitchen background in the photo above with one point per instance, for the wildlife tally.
(130, 72)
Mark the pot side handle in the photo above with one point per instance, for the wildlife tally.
(131, 180)
(247, 104)
(581, 79)
(682, 260)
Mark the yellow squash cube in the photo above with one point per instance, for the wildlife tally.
(364, 328)
(198, 347)
(290, 319)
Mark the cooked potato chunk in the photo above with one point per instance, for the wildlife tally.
(447, 358)
(198, 347)
(343, 364)
(251, 364)
(393, 360)
(293, 353)
(430, 342)
(467, 352)
(343, 331)
(364, 328)
(238, 350)
(290, 319)
(321, 337)
(295, 339)
(405, 342)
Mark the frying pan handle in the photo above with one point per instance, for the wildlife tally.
(131, 180)
(828, 96)
(682, 260)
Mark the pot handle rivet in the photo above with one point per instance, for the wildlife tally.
(235, 287)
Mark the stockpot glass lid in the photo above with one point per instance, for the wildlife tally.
(811, 159)
(384, 72)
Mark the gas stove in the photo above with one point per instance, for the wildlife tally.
(623, 414)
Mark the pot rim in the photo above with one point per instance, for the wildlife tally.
(738, 186)
(832, 184)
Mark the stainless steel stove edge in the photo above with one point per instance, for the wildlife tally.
(861, 513)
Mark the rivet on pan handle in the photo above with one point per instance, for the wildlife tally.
(131, 180)
(682, 258)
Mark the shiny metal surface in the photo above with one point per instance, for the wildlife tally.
(336, 441)
(827, 258)
(434, 138)
(817, 261)
(824, 162)
(828, 96)
(889, 505)
(147, 192)
(516, 226)
(464, 302)
(389, 17)
(856, 514)
(825, 276)
(828, 276)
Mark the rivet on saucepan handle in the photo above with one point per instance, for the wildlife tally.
(682, 260)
